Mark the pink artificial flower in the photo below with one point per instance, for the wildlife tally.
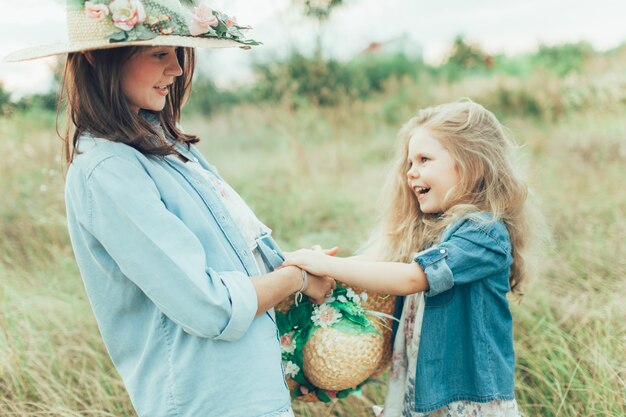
(202, 19)
(96, 11)
(231, 21)
(287, 343)
(304, 390)
(331, 394)
(127, 13)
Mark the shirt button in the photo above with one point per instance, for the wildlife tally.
(442, 251)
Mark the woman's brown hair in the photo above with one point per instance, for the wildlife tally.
(96, 103)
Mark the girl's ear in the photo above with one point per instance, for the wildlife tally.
(89, 57)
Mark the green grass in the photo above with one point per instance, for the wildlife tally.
(313, 176)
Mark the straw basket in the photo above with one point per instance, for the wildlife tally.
(334, 360)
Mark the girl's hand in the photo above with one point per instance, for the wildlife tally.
(315, 261)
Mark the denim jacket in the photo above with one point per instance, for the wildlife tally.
(167, 275)
(466, 346)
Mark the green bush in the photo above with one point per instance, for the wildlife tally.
(328, 82)
(563, 59)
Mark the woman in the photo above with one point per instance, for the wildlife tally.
(179, 272)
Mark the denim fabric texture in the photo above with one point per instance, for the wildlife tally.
(167, 275)
(466, 347)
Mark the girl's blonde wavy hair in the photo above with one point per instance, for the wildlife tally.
(489, 181)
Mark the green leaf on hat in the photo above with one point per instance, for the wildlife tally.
(142, 33)
(118, 36)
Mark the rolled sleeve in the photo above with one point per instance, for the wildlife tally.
(244, 305)
(474, 251)
(439, 275)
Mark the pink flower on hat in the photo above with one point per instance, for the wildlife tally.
(231, 21)
(96, 11)
(202, 19)
(127, 13)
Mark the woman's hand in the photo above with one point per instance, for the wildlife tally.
(319, 288)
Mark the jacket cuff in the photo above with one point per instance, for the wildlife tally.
(438, 273)
(243, 304)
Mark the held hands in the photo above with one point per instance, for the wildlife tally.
(320, 285)
(315, 261)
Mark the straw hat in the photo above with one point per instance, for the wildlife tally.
(103, 24)
(334, 360)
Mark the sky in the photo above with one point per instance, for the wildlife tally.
(499, 26)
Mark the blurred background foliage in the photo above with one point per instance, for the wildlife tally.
(545, 84)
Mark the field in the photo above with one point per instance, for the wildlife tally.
(313, 174)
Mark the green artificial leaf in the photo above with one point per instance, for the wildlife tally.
(234, 32)
(347, 307)
(350, 327)
(360, 320)
(300, 379)
(321, 394)
(344, 393)
(301, 315)
(118, 36)
(75, 4)
(143, 33)
(221, 28)
(283, 323)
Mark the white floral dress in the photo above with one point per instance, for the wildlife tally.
(400, 400)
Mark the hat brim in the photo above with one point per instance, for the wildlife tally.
(169, 40)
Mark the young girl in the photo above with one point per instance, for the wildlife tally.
(178, 270)
(453, 238)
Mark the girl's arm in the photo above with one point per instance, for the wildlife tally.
(395, 278)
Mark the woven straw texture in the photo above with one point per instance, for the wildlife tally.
(86, 34)
(335, 361)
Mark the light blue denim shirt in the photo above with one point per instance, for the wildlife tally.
(167, 275)
(466, 346)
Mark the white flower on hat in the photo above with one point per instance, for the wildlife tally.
(96, 11)
(127, 13)
(290, 369)
(325, 315)
(202, 20)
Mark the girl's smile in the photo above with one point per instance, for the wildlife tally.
(432, 173)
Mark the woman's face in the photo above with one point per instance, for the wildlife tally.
(148, 75)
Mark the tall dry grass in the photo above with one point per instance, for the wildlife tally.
(313, 176)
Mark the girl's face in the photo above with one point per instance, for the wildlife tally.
(148, 75)
(432, 173)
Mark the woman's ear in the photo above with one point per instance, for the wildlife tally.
(88, 57)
